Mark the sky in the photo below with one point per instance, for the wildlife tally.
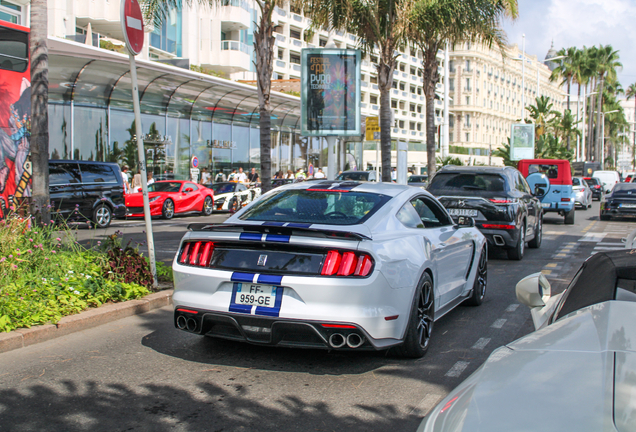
(578, 23)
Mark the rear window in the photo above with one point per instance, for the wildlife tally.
(97, 173)
(356, 176)
(316, 207)
(591, 181)
(417, 179)
(624, 189)
(445, 183)
(552, 171)
(63, 173)
(14, 50)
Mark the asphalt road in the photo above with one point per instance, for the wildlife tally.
(141, 374)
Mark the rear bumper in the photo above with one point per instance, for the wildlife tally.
(558, 207)
(292, 333)
(501, 238)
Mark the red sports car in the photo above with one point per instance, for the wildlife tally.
(170, 197)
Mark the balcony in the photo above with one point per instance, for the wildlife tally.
(296, 67)
(375, 107)
(235, 15)
(235, 57)
(280, 38)
(281, 64)
(365, 84)
(297, 43)
(103, 17)
(395, 92)
(375, 87)
(281, 12)
(297, 18)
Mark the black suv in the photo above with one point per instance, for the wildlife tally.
(85, 190)
(500, 201)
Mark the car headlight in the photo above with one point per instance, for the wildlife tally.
(153, 199)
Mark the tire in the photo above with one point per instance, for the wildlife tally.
(102, 216)
(569, 218)
(481, 281)
(167, 211)
(421, 320)
(233, 205)
(208, 206)
(516, 254)
(535, 243)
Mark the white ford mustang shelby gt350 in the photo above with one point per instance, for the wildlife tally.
(334, 265)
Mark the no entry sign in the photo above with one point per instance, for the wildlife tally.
(132, 24)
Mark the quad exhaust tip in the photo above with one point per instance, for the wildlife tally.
(354, 340)
(337, 340)
(181, 322)
(499, 241)
(191, 324)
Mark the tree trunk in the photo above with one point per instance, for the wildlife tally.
(385, 80)
(430, 79)
(39, 55)
(599, 126)
(591, 145)
(569, 82)
(264, 46)
(634, 143)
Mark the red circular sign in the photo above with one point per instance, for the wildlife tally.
(132, 24)
(195, 161)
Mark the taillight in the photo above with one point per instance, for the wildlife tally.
(346, 264)
(197, 253)
(502, 200)
(565, 199)
(497, 226)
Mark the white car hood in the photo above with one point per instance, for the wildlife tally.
(560, 378)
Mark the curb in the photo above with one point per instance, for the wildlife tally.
(84, 320)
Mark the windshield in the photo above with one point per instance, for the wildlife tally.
(360, 175)
(417, 179)
(624, 189)
(222, 188)
(592, 181)
(316, 207)
(449, 183)
(164, 187)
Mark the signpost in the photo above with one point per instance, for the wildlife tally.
(330, 96)
(133, 28)
(522, 141)
(372, 133)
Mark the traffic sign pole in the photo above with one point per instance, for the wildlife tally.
(132, 25)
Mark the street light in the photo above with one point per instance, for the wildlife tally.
(603, 134)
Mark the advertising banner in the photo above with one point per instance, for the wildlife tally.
(330, 92)
(372, 131)
(522, 141)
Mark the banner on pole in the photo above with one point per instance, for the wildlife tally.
(522, 141)
(372, 129)
(330, 92)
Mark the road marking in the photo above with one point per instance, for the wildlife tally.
(605, 248)
(513, 307)
(546, 272)
(561, 255)
(594, 237)
(553, 232)
(552, 265)
(611, 244)
(481, 343)
(457, 369)
(499, 323)
(426, 404)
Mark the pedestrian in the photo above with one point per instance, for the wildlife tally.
(232, 176)
(300, 174)
(220, 177)
(319, 174)
(394, 174)
(151, 179)
(241, 176)
(290, 174)
(126, 177)
(205, 176)
(136, 183)
(252, 177)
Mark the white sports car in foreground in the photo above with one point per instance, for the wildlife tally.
(334, 265)
(576, 373)
(231, 196)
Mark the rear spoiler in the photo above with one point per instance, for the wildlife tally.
(268, 229)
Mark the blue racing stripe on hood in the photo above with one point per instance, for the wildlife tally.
(251, 236)
(298, 225)
(277, 238)
(242, 277)
(270, 279)
(273, 223)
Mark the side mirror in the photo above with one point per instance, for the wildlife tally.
(534, 290)
(188, 190)
(465, 222)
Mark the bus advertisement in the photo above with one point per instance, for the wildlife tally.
(15, 115)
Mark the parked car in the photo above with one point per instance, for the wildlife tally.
(609, 179)
(83, 190)
(330, 264)
(628, 177)
(500, 201)
(596, 185)
(575, 373)
(369, 176)
(418, 180)
(621, 202)
(551, 181)
(170, 197)
(582, 193)
(230, 196)
(281, 182)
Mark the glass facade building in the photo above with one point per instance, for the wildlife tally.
(184, 114)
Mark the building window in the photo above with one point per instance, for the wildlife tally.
(467, 137)
(373, 99)
(168, 37)
(294, 58)
(451, 121)
(322, 42)
(393, 103)
(419, 126)
(412, 107)
(419, 108)
(412, 126)
(374, 79)
(413, 70)
(10, 12)
(413, 89)
(451, 66)
(451, 84)
(281, 53)
(467, 120)
(401, 124)
(394, 84)
(402, 67)
(468, 66)
(468, 85)
(294, 34)
(467, 100)
(402, 86)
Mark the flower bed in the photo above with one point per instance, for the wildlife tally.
(45, 274)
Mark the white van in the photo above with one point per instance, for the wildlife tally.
(609, 179)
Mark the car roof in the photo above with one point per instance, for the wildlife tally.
(389, 189)
(476, 169)
(81, 162)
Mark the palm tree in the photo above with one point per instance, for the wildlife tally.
(607, 64)
(435, 23)
(542, 114)
(631, 93)
(39, 54)
(565, 70)
(566, 126)
(590, 58)
(380, 25)
(156, 12)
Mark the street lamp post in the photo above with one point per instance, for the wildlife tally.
(602, 113)
(523, 77)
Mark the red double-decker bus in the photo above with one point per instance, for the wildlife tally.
(15, 114)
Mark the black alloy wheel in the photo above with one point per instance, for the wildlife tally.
(233, 206)
(535, 243)
(167, 211)
(208, 206)
(516, 253)
(102, 216)
(481, 281)
(420, 327)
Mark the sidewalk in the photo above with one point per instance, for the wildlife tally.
(84, 320)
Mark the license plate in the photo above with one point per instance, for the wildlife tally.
(628, 205)
(255, 295)
(545, 205)
(462, 212)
